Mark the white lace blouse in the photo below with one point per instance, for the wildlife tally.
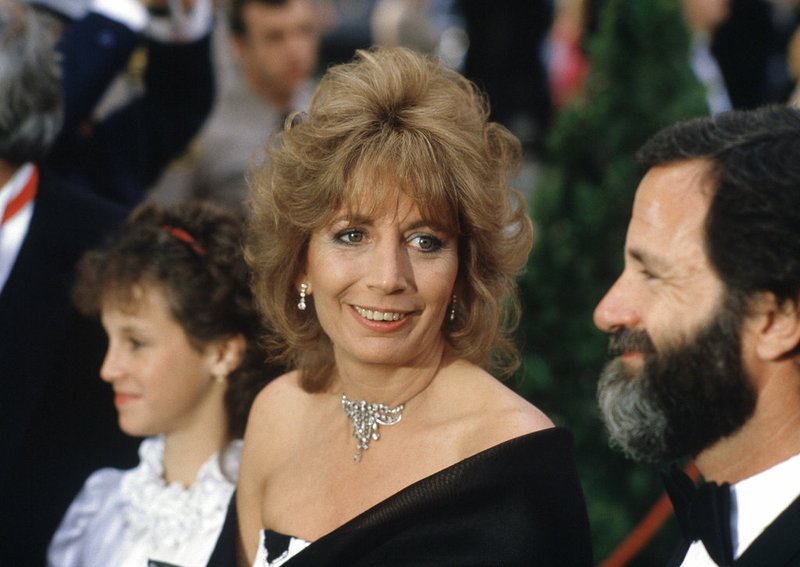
(125, 518)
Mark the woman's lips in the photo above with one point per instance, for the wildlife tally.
(377, 320)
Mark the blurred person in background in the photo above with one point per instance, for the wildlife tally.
(172, 291)
(276, 44)
(506, 58)
(117, 141)
(57, 422)
(794, 63)
(705, 329)
(751, 48)
(703, 17)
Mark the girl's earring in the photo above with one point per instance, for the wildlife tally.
(453, 308)
(301, 305)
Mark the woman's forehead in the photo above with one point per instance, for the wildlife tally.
(372, 194)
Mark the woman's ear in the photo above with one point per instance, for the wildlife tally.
(227, 354)
(777, 328)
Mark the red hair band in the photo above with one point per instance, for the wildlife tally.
(185, 237)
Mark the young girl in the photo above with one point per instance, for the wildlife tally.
(172, 292)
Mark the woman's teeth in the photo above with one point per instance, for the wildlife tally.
(377, 315)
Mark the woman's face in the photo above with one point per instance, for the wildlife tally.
(161, 382)
(382, 283)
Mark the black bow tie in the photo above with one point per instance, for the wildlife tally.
(703, 513)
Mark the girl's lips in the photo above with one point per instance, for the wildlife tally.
(121, 398)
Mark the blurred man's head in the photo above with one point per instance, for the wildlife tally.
(30, 85)
(712, 271)
(705, 16)
(277, 42)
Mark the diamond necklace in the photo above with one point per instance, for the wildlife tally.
(366, 418)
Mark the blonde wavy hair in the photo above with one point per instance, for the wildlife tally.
(405, 121)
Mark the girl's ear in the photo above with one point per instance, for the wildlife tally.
(227, 354)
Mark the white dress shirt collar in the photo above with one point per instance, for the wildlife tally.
(14, 230)
(755, 503)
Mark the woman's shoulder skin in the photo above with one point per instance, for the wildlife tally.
(480, 410)
(462, 412)
(270, 432)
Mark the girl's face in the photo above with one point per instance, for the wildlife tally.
(382, 283)
(161, 382)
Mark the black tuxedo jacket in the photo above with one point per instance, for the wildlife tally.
(777, 546)
(57, 417)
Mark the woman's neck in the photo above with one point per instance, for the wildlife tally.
(386, 384)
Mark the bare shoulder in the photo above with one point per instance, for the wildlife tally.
(278, 396)
(509, 409)
(266, 435)
(491, 412)
(268, 422)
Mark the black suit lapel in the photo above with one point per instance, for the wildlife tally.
(33, 311)
(679, 554)
(778, 544)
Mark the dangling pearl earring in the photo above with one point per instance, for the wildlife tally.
(453, 308)
(301, 305)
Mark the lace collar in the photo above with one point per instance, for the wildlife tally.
(170, 512)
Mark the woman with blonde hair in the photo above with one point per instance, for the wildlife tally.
(385, 241)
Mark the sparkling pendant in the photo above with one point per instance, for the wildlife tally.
(367, 418)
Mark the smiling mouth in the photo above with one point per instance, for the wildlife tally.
(378, 315)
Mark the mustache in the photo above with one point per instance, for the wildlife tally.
(626, 340)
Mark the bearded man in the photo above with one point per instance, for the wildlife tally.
(704, 324)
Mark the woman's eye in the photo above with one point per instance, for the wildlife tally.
(350, 236)
(426, 242)
(135, 344)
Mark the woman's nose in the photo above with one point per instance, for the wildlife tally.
(390, 269)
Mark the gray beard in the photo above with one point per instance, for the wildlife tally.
(685, 398)
(635, 423)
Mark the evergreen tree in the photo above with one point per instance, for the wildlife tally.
(640, 81)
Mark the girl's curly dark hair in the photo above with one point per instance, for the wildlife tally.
(193, 253)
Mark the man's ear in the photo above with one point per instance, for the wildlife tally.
(777, 327)
(227, 354)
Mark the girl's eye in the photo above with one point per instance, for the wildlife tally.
(350, 236)
(135, 344)
(427, 243)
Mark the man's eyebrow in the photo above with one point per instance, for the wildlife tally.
(647, 259)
